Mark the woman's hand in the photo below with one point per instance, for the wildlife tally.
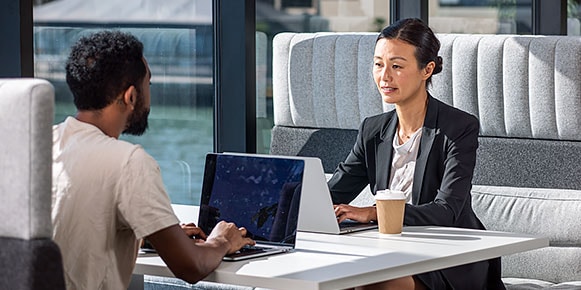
(359, 214)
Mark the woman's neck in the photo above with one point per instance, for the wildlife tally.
(411, 117)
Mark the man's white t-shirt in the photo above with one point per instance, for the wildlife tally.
(107, 194)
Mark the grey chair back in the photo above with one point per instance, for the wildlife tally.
(29, 259)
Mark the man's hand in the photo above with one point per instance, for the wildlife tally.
(192, 261)
(193, 232)
(231, 234)
(359, 214)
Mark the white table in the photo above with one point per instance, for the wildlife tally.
(323, 261)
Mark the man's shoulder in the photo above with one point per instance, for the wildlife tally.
(87, 134)
(87, 144)
(137, 152)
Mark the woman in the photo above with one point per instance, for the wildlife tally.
(424, 147)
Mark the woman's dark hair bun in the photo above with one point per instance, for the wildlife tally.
(438, 67)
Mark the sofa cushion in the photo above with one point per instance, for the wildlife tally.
(554, 213)
(533, 284)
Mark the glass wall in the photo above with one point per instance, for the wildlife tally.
(492, 16)
(177, 38)
(574, 17)
(481, 16)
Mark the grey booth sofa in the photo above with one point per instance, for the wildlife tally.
(526, 92)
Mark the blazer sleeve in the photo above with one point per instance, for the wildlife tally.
(448, 181)
(350, 177)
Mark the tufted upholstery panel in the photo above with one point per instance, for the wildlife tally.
(325, 81)
(520, 87)
(517, 86)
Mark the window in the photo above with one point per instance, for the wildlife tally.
(481, 16)
(178, 46)
(574, 17)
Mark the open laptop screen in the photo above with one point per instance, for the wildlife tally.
(261, 194)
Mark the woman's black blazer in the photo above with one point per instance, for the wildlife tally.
(443, 172)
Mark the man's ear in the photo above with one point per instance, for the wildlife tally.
(130, 96)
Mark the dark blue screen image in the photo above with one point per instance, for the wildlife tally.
(261, 194)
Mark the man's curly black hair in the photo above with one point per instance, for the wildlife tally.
(101, 66)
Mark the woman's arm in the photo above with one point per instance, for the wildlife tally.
(350, 177)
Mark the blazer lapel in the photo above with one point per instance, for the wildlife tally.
(429, 132)
(384, 153)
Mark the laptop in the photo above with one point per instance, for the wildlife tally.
(260, 193)
(316, 209)
(317, 212)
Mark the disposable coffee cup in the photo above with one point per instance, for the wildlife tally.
(390, 206)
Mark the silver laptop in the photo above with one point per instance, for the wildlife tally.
(316, 210)
(260, 193)
(317, 213)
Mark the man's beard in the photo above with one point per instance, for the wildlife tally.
(137, 123)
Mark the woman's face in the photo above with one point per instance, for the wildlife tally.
(397, 74)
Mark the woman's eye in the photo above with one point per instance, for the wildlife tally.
(395, 66)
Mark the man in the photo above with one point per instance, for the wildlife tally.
(107, 193)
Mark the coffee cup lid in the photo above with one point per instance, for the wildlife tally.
(389, 194)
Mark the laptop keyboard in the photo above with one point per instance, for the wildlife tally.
(350, 224)
(252, 249)
(346, 224)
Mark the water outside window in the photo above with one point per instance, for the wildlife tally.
(179, 52)
(574, 17)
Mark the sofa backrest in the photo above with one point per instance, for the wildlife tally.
(29, 259)
(526, 92)
(522, 88)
